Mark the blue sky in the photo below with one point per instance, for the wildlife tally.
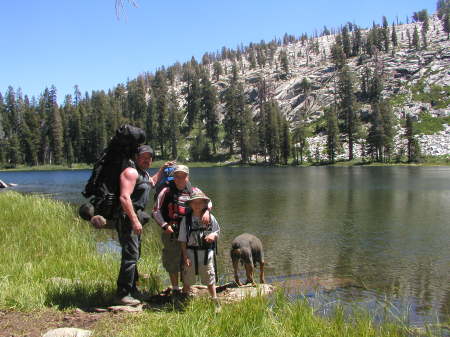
(82, 42)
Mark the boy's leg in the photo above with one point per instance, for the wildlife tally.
(189, 273)
(212, 290)
(207, 273)
(171, 258)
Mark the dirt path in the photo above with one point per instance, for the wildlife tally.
(35, 324)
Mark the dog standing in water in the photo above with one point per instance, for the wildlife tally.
(248, 249)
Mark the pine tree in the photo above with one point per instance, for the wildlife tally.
(332, 134)
(99, 105)
(357, 42)
(230, 121)
(394, 37)
(446, 24)
(76, 129)
(365, 80)
(338, 56)
(424, 40)
(13, 151)
(346, 47)
(300, 140)
(11, 117)
(218, 70)
(375, 86)
(273, 131)
(252, 59)
(245, 127)
(413, 144)
(347, 107)
(284, 64)
(385, 33)
(56, 127)
(137, 103)
(193, 99)
(285, 140)
(2, 132)
(210, 115)
(161, 92)
(150, 120)
(261, 57)
(375, 136)
(415, 39)
(443, 8)
(388, 128)
(29, 134)
(174, 122)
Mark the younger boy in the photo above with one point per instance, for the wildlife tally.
(197, 244)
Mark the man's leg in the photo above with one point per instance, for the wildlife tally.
(174, 280)
(130, 243)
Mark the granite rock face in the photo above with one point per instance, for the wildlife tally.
(403, 70)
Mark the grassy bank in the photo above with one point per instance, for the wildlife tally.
(252, 317)
(49, 259)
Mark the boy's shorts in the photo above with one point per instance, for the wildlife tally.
(206, 272)
(171, 253)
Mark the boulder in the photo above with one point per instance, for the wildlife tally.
(126, 308)
(68, 332)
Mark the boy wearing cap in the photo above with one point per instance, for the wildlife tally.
(197, 244)
(168, 210)
(135, 185)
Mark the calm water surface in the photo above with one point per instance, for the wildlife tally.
(387, 228)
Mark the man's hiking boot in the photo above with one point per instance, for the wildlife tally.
(127, 300)
(140, 295)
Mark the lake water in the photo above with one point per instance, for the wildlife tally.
(386, 228)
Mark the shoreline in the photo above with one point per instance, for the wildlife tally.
(428, 162)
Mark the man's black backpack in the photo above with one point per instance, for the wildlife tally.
(103, 187)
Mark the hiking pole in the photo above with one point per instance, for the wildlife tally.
(215, 262)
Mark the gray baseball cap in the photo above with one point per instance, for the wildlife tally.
(145, 149)
(181, 168)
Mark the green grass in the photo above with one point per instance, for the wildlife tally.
(429, 125)
(42, 239)
(252, 317)
(438, 96)
(398, 99)
(21, 167)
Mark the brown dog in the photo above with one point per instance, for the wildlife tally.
(248, 249)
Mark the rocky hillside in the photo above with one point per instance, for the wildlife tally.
(410, 76)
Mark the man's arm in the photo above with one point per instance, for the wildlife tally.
(157, 214)
(158, 175)
(128, 180)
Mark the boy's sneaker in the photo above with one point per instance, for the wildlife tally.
(127, 300)
(217, 306)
